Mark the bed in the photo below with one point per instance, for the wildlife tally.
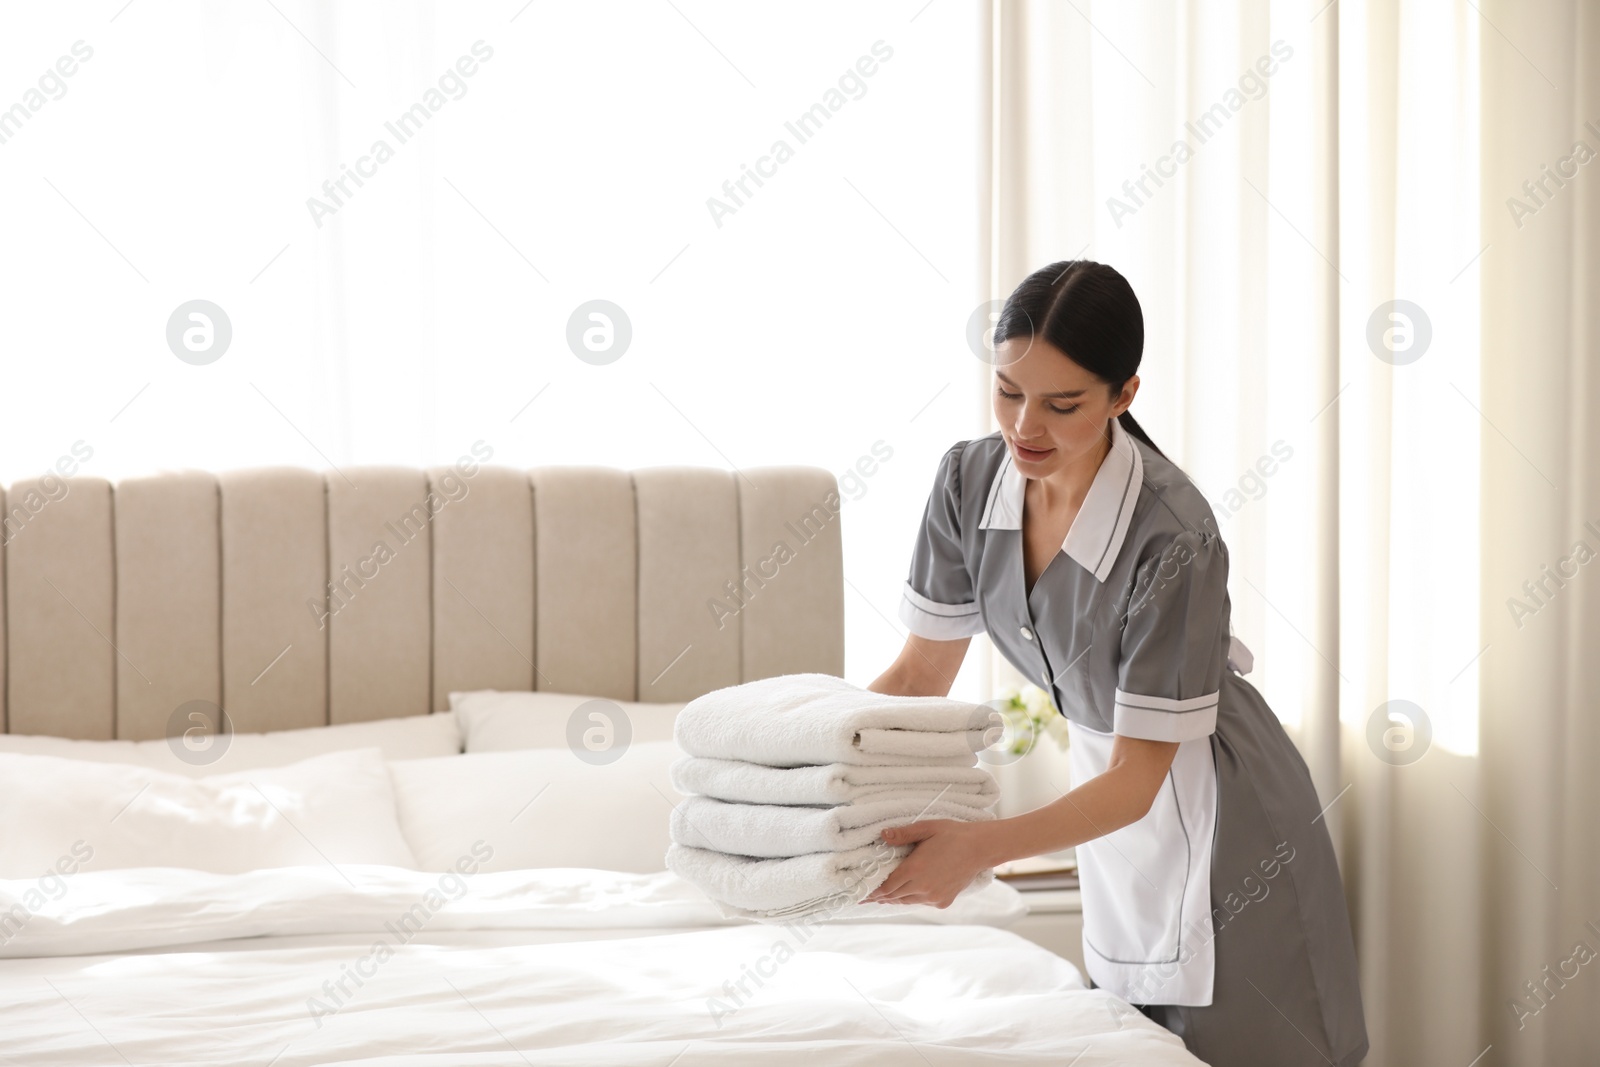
(336, 639)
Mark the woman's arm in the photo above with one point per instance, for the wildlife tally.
(924, 668)
(952, 852)
(949, 853)
(1109, 801)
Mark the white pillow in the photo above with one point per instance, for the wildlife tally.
(332, 809)
(410, 737)
(540, 808)
(496, 721)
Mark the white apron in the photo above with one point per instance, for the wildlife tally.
(1146, 888)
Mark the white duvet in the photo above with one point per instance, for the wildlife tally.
(385, 966)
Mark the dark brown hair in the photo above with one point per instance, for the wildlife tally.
(1088, 311)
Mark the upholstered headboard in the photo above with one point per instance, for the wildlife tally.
(296, 598)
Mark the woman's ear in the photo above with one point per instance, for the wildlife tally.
(1130, 389)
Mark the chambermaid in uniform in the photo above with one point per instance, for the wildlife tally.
(1220, 912)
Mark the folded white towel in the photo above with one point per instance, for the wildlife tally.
(793, 830)
(830, 783)
(798, 719)
(787, 888)
(781, 890)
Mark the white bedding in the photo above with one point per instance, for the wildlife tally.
(554, 966)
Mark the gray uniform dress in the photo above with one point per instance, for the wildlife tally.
(1220, 913)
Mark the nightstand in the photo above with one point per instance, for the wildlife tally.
(1054, 921)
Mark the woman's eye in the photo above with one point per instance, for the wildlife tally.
(1052, 407)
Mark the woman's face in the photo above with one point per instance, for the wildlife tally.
(1051, 411)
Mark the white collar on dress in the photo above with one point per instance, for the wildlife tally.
(1097, 532)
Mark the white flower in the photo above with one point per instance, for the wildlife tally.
(1036, 700)
(1026, 715)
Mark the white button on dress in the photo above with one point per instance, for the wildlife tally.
(1027, 634)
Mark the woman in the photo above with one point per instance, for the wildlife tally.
(1211, 895)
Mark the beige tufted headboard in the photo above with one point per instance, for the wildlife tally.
(297, 598)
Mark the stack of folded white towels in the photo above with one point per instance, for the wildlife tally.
(789, 782)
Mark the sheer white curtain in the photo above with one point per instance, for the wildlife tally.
(1270, 177)
(1541, 523)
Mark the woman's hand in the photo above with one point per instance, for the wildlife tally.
(948, 855)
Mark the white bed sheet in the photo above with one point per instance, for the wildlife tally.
(569, 967)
